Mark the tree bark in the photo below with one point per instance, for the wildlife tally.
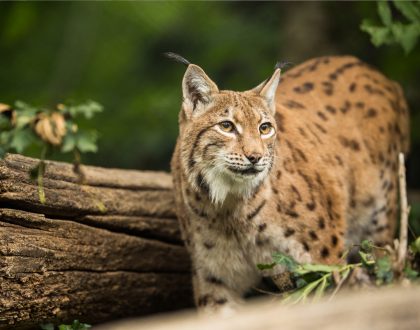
(97, 251)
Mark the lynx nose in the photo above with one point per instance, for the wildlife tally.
(254, 158)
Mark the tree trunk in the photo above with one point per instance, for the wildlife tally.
(97, 251)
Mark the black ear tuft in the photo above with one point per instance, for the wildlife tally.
(177, 58)
(283, 64)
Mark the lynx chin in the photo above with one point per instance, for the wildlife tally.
(304, 164)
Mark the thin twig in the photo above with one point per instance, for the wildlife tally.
(404, 211)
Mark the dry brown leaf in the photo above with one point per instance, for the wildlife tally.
(51, 128)
(4, 107)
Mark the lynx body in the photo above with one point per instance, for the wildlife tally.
(305, 164)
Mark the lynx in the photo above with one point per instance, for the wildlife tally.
(304, 164)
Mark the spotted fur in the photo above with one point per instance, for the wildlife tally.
(326, 178)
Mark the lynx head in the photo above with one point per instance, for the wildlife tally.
(227, 138)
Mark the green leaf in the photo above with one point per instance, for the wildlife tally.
(69, 143)
(315, 268)
(406, 35)
(285, 260)
(2, 152)
(367, 258)
(21, 139)
(300, 282)
(384, 12)
(320, 290)
(411, 10)
(86, 141)
(88, 109)
(47, 326)
(411, 273)
(378, 35)
(415, 246)
(384, 273)
(64, 327)
(366, 246)
(5, 123)
(5, 138)
(266, 266)
(24, 114)
(302, 293)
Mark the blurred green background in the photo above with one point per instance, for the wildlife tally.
(111, 52)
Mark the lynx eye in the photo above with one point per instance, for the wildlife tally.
(227, 126)
(265, 128)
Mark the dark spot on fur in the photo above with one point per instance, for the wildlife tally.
(382, 228)
(371, 113)
(221, 301)
(202, 184)
(214, 280)
(311, 206)
(328, 88)
(306, 246)
(352, 87)
(322, 116)
(372, 90)
(346, 107)
(289, 232)
(313, 235)
(359, 105)
(305, 88)
(333, 76)
(368, 202)
(330, 109)
(321, 223)
(208, 245)
(203, 300)
(334, 240)
(262, 227)
(349, 143)
(197, 197)
(320, 128)
(292, 213)
(325, 252)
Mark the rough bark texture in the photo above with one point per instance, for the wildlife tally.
(382, 309)
(106, 249)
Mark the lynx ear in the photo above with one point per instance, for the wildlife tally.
(268, 89)
(197, 89)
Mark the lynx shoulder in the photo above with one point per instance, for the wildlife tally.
(304, 164)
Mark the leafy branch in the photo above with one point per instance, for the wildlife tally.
(53, 130)
(392, 31)
(315, 280)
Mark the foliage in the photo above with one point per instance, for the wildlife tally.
(395, 31)
(317, 279)
(76, 325)
(51, 130)
(122, 65)
(56, 129)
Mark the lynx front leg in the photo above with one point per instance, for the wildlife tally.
(213, 296)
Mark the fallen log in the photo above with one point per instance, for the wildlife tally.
(384, 309)
(97, 251)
